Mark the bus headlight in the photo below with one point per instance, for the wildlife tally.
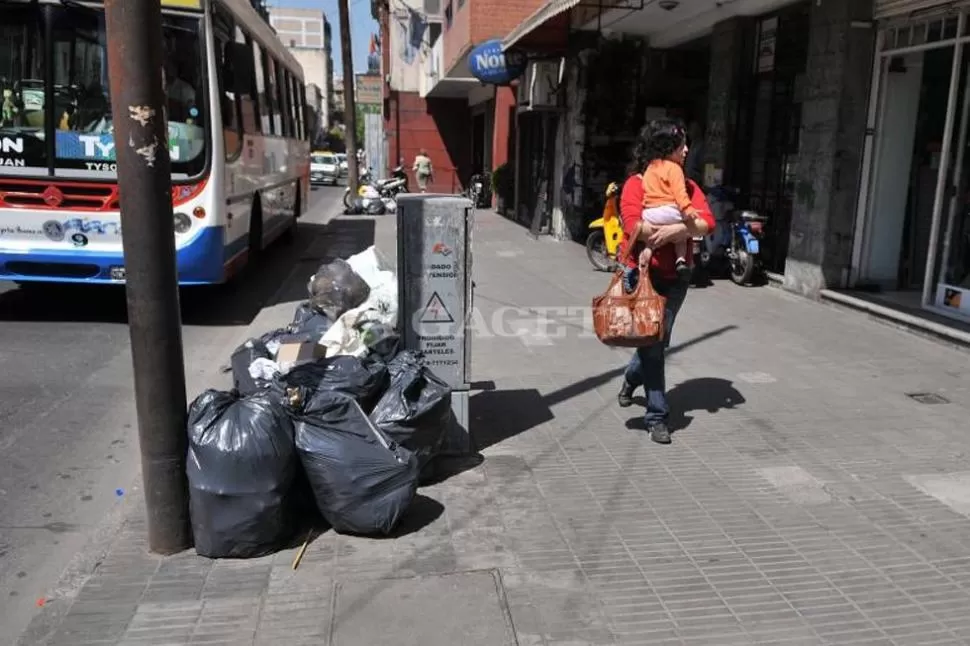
(182, 223)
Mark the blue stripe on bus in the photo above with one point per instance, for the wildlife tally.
(200, 262)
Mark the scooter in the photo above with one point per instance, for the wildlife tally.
(603, 241)
(387, 188)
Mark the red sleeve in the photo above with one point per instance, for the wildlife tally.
(631, 203)
(631, 209)
(699, 202)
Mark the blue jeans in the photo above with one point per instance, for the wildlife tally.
(646, 368)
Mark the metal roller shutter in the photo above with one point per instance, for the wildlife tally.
(883, 9)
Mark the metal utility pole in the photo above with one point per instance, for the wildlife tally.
(350, 112)
(134, 32)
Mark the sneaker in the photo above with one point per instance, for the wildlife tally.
(683, 269)
(659, 433)
(625, 397)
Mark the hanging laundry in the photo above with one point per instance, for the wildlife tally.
(417, 27)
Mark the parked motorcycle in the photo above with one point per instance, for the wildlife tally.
(603, 241)
(745, 251)
(479, 190)
(735, 243)
(389, 187)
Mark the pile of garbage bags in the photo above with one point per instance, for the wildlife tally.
(328, 409)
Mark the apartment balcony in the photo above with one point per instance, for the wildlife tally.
(435, 83)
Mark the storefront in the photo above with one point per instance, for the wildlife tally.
(912, 233)
(767, 146)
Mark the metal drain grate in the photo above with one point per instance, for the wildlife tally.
(928, 398)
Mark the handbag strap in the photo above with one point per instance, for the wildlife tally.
(626, 252)
(645, 288)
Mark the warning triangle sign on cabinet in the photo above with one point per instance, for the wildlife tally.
(436, 312)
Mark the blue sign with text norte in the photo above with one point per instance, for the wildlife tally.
(489, 64)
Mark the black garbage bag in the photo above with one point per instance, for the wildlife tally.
(385, 349)
(263, 347)
(363, 379)
(241, 466)
(356, 207)
(240, 360)
(415, 410)
(336, 288)
(307, 320)
(362, 481)
(274, 337)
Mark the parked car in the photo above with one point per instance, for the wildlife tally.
(324, 168)
(342, 158)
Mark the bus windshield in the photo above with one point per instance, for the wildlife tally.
(81, 129)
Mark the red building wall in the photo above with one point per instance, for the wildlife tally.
(481, 20)
(441, 127)
(503, 142)
(458, 37)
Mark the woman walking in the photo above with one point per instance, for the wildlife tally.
(422, 169)
(647, 367)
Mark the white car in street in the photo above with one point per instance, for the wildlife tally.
(342, 158)
(324, 168)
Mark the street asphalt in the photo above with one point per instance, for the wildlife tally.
(68, 444)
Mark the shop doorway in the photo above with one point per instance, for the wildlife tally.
(478, 143)
(771, 123)
(914, 217)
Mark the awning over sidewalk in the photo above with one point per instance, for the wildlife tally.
(541, 16)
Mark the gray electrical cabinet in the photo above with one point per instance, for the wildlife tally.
(434, 255)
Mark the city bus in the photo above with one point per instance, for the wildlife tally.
(237, 134)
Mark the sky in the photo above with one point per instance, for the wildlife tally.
(362, 25)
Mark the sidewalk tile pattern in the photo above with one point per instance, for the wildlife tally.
(806, 498)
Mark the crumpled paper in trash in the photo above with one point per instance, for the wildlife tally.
(264, 369)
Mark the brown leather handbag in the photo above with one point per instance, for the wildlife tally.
(630, 320)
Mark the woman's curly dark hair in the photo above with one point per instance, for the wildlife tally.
(658, 140)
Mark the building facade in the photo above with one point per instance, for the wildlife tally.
(846, 122)
(431, 100)
(307, 34)
(337, 104)
(316, 109)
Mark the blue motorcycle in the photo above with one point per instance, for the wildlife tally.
(735, 242)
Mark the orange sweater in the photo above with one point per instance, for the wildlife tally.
(664, 184)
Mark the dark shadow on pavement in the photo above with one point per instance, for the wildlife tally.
(680, 347)
(497, 415)
(422, 512)
(234, 303)
(703, 394)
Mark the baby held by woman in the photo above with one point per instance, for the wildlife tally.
(665, 197)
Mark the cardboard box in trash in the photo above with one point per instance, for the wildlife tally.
(294, 353)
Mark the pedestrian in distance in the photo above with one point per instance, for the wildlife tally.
(423, 169)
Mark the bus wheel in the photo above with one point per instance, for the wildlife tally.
(290, 234)
(255, 231)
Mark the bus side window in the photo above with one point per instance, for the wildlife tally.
(246, 87)
(228, 98)
(265, 108)
(298, 107)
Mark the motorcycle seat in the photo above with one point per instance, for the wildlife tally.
(750, 216)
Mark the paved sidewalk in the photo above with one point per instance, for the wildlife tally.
(806, 498)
